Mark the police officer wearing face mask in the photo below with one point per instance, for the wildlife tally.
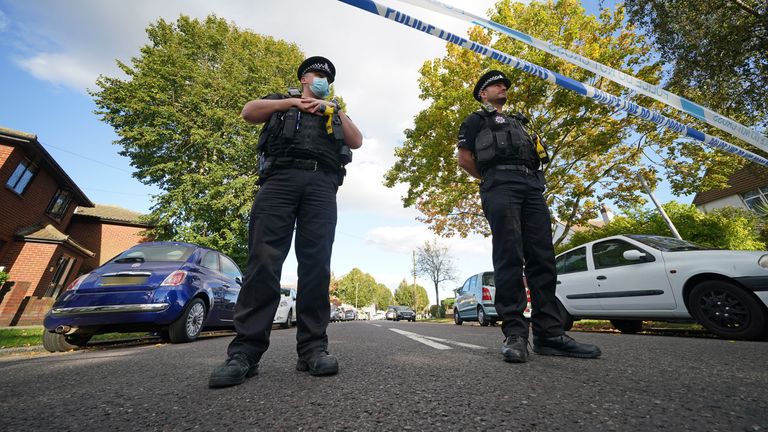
(496, 148)
(303, 147)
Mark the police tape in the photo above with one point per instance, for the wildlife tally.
(554, 78)
(722, 122)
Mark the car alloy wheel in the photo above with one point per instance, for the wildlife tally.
(188, 326)
(288, 319)
(456, 317)
(481, 318)
(727, 310)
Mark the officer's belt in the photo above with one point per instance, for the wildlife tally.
(522, 168)
(304, 164)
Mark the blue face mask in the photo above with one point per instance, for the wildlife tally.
(320, 88)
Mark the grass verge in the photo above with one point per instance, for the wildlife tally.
(32, 336)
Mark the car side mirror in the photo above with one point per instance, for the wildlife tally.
(239, 281)
(635, 255)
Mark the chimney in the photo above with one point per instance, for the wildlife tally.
(606, 213)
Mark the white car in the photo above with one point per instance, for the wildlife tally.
(631, 278)
(286, 311)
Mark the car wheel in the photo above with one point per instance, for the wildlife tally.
(54, 342)
(456, 317)
(288, 319)
(727, 310)
(565, 318)
(627, 326)
(481, 318)
(187, 327)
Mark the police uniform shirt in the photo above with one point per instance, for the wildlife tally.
(476, 121)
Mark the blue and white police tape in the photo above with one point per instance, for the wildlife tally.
(555, 78)
(722, 122)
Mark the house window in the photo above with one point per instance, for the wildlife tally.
(59, 204)
(756, 197)
(21, 176)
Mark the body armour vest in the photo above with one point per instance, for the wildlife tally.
(293, 134)
(504, 141)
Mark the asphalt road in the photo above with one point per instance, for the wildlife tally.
(391, 380)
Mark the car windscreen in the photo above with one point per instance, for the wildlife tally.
(488, 279)
(667, 244)
(403, 309)
(155, 253)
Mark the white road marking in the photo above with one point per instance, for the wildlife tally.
(432, 341)
(461, 344)
(421, 339)
(377, 325)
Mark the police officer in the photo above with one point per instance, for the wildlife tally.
(303, 148)
(496, 148)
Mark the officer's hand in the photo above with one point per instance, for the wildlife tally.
(311, 105)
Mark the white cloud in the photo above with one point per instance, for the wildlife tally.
(60, 69)
(4, 21)
(404, 239)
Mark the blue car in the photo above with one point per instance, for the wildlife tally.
(175, 289)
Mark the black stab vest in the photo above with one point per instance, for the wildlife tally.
(504, 141)
(294, 134)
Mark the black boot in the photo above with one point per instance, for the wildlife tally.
(515, 349)
(234, 371)
(564, 345)
(319, 363)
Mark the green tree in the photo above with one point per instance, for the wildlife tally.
(595, 150)
(717, 50)
(411, 295)
(382, 297)
(357, 288)
(726, 228)
(178, 118)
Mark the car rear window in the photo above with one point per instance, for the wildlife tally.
(155, 253)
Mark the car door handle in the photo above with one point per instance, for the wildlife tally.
(226, 285)
(601, 277)
(559, 282)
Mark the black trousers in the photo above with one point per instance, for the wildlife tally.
(288, 198)
(514, 205)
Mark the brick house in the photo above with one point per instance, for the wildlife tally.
(38, 248)
(92, 225)
(747, 188)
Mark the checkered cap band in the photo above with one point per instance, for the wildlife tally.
(490, 80)
(323, 67)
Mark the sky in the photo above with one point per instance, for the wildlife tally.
(51, 53)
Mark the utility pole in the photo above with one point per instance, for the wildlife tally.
(414, 282)
(658, 206)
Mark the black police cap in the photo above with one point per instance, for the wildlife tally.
(317, 64)
(488, 78)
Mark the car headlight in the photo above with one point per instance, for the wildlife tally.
(763, 261)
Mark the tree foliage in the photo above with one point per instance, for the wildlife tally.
(357, 288)
(178, 118)
(434, 262)
(412, 295)
(725, 228)
(382, 297)
(718, 51)
(596, 151)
